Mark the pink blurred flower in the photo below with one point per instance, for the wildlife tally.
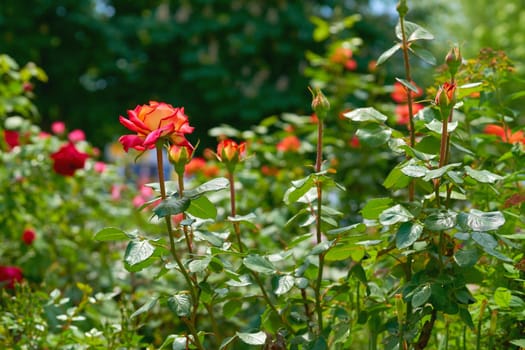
(76, 135)
(68, 159)
(58, 128)
(99, 167)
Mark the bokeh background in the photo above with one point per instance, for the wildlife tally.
(225, 61)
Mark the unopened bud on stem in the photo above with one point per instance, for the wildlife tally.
(320, 103)
(453, 60)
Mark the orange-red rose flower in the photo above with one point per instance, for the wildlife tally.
(68, 159)
(399, 94)
(290, 143)
(509, 137)
(12, 138)
(445, 95)
(152, 122)
(28, 236)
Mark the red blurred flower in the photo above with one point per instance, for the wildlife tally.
(9, 275)
(399, 94)
(402, 114)
(76, 135)
(68, 159)
(58, 128)
(27, 86)
(28, 236)
(290, 143)
(152, 122)
(194, 166)
(343, 56)
(12, 138)
(354, 142)
(269, 170)
(314, 119)
(509, 137)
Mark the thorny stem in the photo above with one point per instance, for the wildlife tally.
(236, 227)
(405, 44)
(184, 228)
(317, 290)
(173, 251)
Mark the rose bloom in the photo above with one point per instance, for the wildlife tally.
(68, 159)
(58, 128)
(354, 142)
(509, 137)
(267, 170)
(152, 122)
(403, 117)
(290, 143)
(28, 236)
(399, 94)
(9, 275)
(76, 135)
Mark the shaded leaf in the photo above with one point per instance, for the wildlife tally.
(395, 214)
(407, 234)
(374, 135)
(171, 206)
(203, 208)
(466, 257)
(180, 304)
(412, 170)
(284, 284)
(145, 308)
(437, 126)
(199, 265)
(483, 176)
(367, 114)
(258, 338)
(421, 295)
(388, 53)
(258, 263)
(424, 54)
(413, 32)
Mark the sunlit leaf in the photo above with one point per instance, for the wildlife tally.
(421, 295)
(483, 176)
(258, 338)
(388, 53)
(180, 304)
(440, 220)
(258, 263)
(284, 284)
(375, 206)
(407, 234)
(394, 215)
(368, 114)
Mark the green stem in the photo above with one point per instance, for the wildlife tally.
(173, 251)
(480, 321)
(406, 61)
(317, 289)
(184, 228)
(236, 226)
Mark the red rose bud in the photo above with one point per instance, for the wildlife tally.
(231, 153)
(453, 60)
(28, 236)
(320, 103)
(445, 97)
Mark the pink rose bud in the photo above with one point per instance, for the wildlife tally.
(58, 128)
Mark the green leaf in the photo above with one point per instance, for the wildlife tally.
(111, 234)
(171, 206)
(355, 228)
(180, 305)
(319, 344)
(485, 221)
(407, 234)
(413, 170)
(466, 257)
(467, 89)
(408, 85)
(395, 214)
(435, 173)
(203, 208)
(483, 176)
(374, 207)
(518, 342)
(321, 247)
(497, 255)
(465, 316)
(502, 297)
(374, 135)
(421, 295)
(424, 54)
(437, 126)
(368, 114)
(138, 251)
(258, 263)
(396, 179)
(199, 265)
(388, 53)
(240, 218)
(341, 252)
(440, 220)
(485, 240)
(413, 32)
(213, 239)
(145, 308)
(214, 185)
(298, 189)
(226, 342)
(258, 338)
(284, 284)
